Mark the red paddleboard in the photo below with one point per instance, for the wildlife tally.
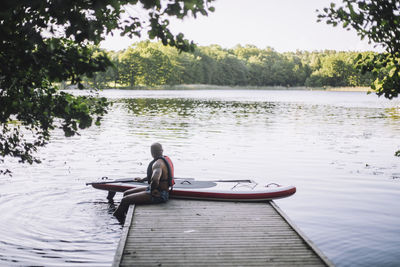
(189, 188)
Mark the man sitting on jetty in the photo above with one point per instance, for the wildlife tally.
(160, 175)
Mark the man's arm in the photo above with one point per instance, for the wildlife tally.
(141, 180)
(156, 175)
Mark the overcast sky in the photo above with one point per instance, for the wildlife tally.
(285, 25)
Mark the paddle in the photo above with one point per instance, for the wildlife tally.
(122, 180)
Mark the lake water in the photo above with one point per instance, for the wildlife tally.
(337, 148)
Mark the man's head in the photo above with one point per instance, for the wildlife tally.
(156, 150)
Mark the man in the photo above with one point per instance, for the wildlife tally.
(160, 173)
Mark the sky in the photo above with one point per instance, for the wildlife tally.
(284, 25)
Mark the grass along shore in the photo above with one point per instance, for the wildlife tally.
(219, 87)
(64, 86)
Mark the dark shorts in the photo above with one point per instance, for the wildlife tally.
(161, 199)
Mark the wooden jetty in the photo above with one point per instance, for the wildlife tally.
(211, 233)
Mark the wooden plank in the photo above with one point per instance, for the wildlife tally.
(209, 233)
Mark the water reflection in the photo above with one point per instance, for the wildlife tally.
(191, 107)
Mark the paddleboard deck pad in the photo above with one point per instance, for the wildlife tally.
(189, 188)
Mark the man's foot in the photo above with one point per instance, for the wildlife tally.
(120, 216)
(110, 196)
(121, 220)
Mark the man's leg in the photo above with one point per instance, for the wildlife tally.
(137, 198)
(110, 196)
(134, 190)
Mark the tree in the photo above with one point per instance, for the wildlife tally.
(44, 42)
(379, 21)
(129, 66)
(337, 69)
(156, 66)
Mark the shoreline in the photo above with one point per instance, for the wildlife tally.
(224, 87)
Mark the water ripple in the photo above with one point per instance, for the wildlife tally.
(337, 148)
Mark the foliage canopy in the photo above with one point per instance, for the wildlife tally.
(43, 42)
(379, 22)
(150, 64)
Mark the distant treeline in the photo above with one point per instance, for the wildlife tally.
(152, 64)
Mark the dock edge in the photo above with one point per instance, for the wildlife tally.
(122, 241)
